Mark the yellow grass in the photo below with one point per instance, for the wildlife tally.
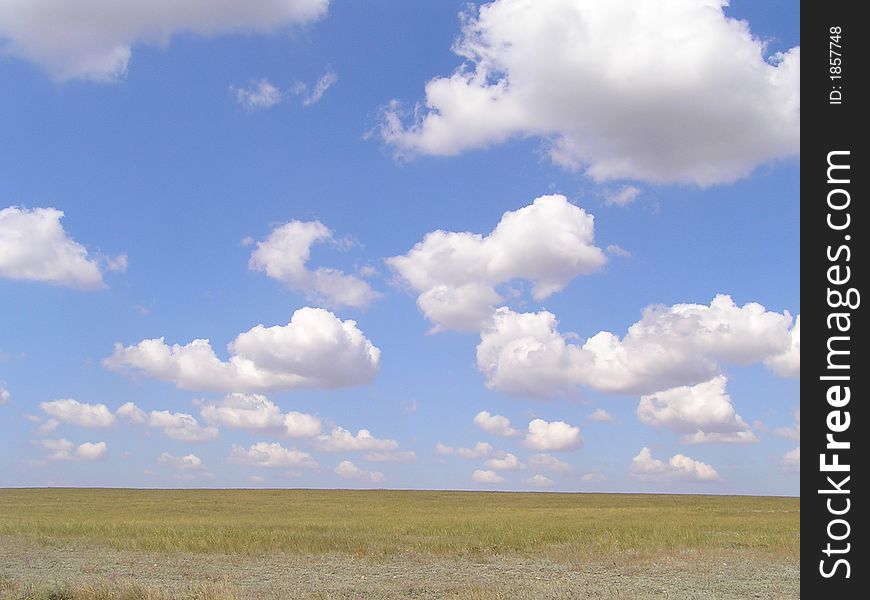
(381, 524)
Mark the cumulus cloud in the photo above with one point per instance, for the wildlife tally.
(540, 481)
(486, 476)
(348, 470)
(4, 394)
(788, 363)
(315, 349)
(188, 462)
(47, 427)
(283, 257)
(693, 98)
(116, 264)
(403, 456)
(456, 275)
(791, 461)
(599, 415)
(593, 477)
(617, 250)
(793, 432)
(93, 39)
(35, 247)
(256, 413)
(342, 440)
(259, 94)
(312, 95)
(64, 449)
(263, 454)
(495, 424)
(78, 413)
(679, 467)
(548, 462)
(555, 435)
(701, 413)
(623, 196)
(178, 426)
(443, 449)
(506, 462)
(524, 354)
(480, 450)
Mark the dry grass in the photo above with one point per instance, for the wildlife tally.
(388, 523)
(297, 544)
(113, 590)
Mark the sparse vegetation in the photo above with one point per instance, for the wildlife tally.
(227, 544)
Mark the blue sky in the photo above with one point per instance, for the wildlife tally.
(209, 144)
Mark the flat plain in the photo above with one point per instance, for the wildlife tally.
(88, 544)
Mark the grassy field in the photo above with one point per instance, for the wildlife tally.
(83, 543)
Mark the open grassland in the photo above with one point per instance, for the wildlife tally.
(150, 544)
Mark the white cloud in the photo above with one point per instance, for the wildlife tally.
(64, 449)
(91, 451)
(691, 97)
(548, 243)
(524, 354)
(313, 95)
(49, 426)
(315, 349)
(178, 426)
(622, 197)
(259, 94)
(599, 415)
(116, 264)
(788, 363)
(647, 468)
(480, 450)
(701, 413)
(486, 476)
(132, 413)
(405, 457)
(791, 461)
(555, 435)
(255, 412)
(443, 449)
(93, 39)
(507, 462)
(368, 271)
(495, 424)
(263, 454)
(35, 247)
(188, 462)
(617, 250)
(78, 413)
(593, 477)
(4, 394)
(342, 440)
(792, 432)
(547, 462)
(348, 470)
(283, 257)
(540, 481)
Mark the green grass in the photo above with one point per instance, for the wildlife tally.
(382, 524)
